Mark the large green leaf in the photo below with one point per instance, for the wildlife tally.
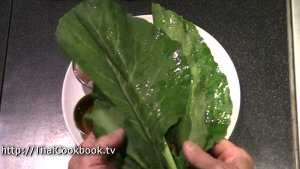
(143, 83)
(210, 106)
(136, 68)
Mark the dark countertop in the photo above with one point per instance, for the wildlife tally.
(5, 8)
(254, 33)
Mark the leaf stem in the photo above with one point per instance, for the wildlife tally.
(168, 156)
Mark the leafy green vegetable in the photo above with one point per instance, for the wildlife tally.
(131, 62)
(156, 84)
(210, 106)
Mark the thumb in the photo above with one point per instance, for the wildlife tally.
(197, 157)
(89, 141)
(114, 139)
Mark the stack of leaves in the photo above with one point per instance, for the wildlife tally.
(157, 81)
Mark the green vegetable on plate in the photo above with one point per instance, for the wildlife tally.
(157, 81)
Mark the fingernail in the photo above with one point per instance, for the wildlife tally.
(92, 135)
(118, 131)
(188, 145)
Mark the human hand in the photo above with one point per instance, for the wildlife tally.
(97, 161)
(224, 155)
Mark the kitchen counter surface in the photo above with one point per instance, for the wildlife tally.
(5, 11)
(254, 33)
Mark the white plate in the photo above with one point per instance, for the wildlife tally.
(73, 91)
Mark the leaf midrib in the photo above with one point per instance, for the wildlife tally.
(126, 95)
